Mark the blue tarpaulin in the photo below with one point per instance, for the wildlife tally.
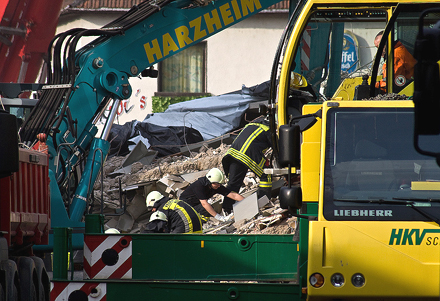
(210, 116)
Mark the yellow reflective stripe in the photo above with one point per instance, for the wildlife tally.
(195, 232)
(263, 160)
(169, 204)
(199, 216)
(200, 220)
(250, 139)
(258, 169)
(265, 182)
(265, 127)
(205, 218)
(187, 217)
(173, 204)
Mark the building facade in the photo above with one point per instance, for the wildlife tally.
(239, 55)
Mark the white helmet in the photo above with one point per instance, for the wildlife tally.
(153, 197)
(158, 215)
(112, 231)
(215, 175)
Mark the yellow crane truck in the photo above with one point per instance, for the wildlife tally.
(368, 202)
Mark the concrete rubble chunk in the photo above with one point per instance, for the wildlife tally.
(212, 143)
(173, 174)
(112, 223)
(193, 176)
(125, 223)
(137, 206)
(171, 184)
(266, 222)
(141, 154)
(246, 208)
(263, 201)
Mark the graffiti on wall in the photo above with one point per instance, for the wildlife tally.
(126, 106)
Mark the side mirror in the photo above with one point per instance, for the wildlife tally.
(289, 146)
(289, 156)
(290, 197)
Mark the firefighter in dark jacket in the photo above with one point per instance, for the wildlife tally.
(248, 152)
(171, 216)
(199, 192)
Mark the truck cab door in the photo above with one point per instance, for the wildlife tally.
(397, 62)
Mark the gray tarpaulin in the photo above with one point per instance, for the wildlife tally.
(211, 116)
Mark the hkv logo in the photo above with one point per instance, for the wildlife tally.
(409, 236)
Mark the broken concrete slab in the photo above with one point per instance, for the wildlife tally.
(263, 201)
(266, 222)
(213, 143)
(193, 176)
(125, 223)
(121, 171)
(140, 153)
(137, 206)
(112, 223)
(141, 185)
(246, 208)
(248, 193)
(170, 184)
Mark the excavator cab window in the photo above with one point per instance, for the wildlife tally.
(395, 69)
(335, 45)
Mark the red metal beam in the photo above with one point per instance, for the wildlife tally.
(38, 19)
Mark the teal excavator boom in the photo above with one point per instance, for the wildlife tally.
(82, 83)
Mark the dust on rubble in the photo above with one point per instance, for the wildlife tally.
(205, 159)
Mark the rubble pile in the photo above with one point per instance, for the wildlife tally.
(389, 96)
(207, 158)
(167, 174)
(272, 220)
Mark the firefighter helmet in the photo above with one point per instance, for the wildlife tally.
(153, 197)
(158, 215)
(215, 175)
(112, 231)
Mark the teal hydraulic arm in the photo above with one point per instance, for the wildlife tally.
(82, 83)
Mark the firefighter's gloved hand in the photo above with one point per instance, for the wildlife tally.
(221, 218)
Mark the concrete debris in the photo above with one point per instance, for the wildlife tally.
(263, 201)
(140, 154)
(172, 185)
(125, 223)
(171, 175)
(137, 206)
(246, 208)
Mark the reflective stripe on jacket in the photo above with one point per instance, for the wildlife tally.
(182, 218)
(249, 148)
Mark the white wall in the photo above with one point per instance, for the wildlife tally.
(243, 54)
